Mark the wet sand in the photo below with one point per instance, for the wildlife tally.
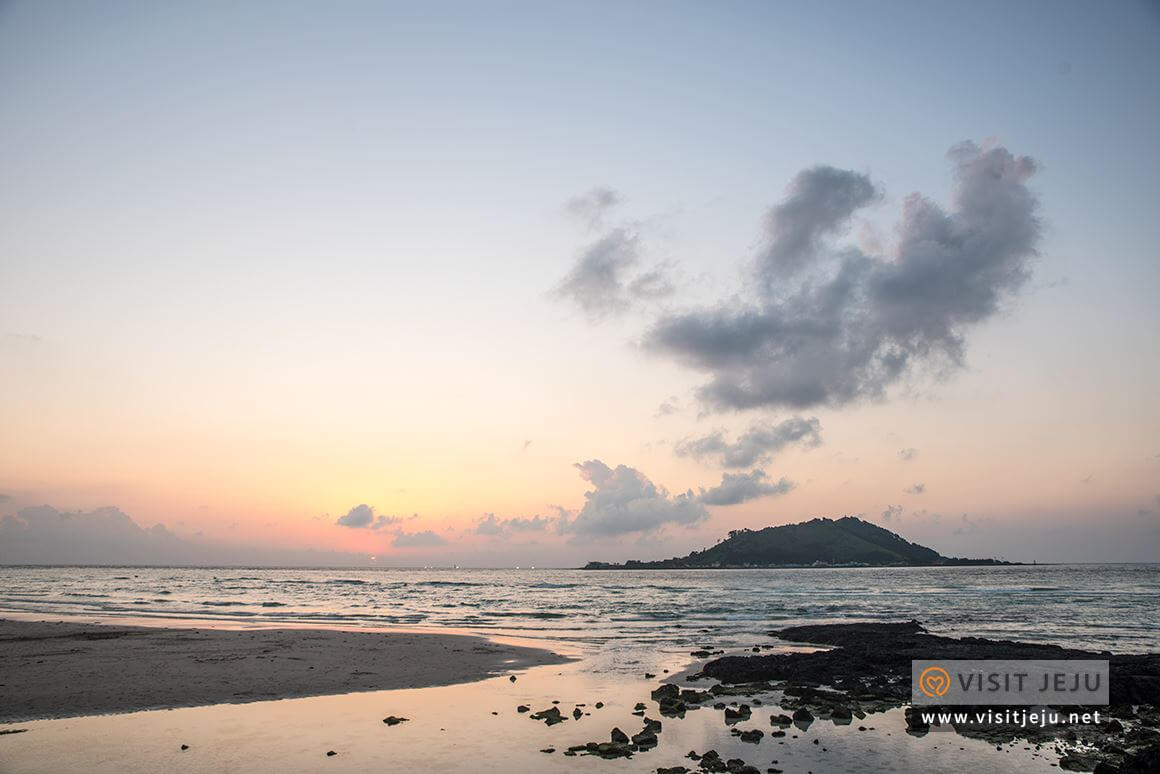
(64, 669)
(477, 727)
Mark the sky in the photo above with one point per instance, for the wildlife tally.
(537, 283)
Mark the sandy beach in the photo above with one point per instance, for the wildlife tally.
(58, 669)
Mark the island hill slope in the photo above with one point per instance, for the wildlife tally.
(848, 541)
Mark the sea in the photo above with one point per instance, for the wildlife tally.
(1100, 607)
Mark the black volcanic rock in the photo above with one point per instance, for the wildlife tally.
(846, 541)
(868, 670)
(873, 659)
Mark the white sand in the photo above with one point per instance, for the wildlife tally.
(68, 669)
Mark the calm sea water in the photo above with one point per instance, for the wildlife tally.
(1099, 607)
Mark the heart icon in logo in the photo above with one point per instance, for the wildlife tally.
(934, 681)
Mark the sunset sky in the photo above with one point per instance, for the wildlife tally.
(511, 283)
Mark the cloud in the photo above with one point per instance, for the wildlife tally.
(833, 327)
(102, 534)
(623, 500)
(424, 539)
(593, 206)
(917, 489)
(108, 536)
(742, 487)
(818, 204)
(652, 284)
(489, 524)
(667, 407)
(906, 455)
(757, 444)
(892, 512)
(967, 525)
(363, 517)
(597, 282)
(606, 279)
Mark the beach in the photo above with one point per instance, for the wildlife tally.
(479, 726)
(247, 700)
(61, 669)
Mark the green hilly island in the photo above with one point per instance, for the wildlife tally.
(848, 541)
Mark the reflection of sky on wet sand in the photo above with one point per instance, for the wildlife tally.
(452, 729)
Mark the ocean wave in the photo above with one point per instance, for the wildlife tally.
(523, 614)
(451, 583)
(664, 611)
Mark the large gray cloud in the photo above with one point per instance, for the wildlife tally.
(819, 203)
(757, 444)
(363, 517)
(742, 487)
(623, 500)
(832, 327)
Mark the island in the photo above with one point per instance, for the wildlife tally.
(845, 542)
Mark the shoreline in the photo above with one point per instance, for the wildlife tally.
(69, 669)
